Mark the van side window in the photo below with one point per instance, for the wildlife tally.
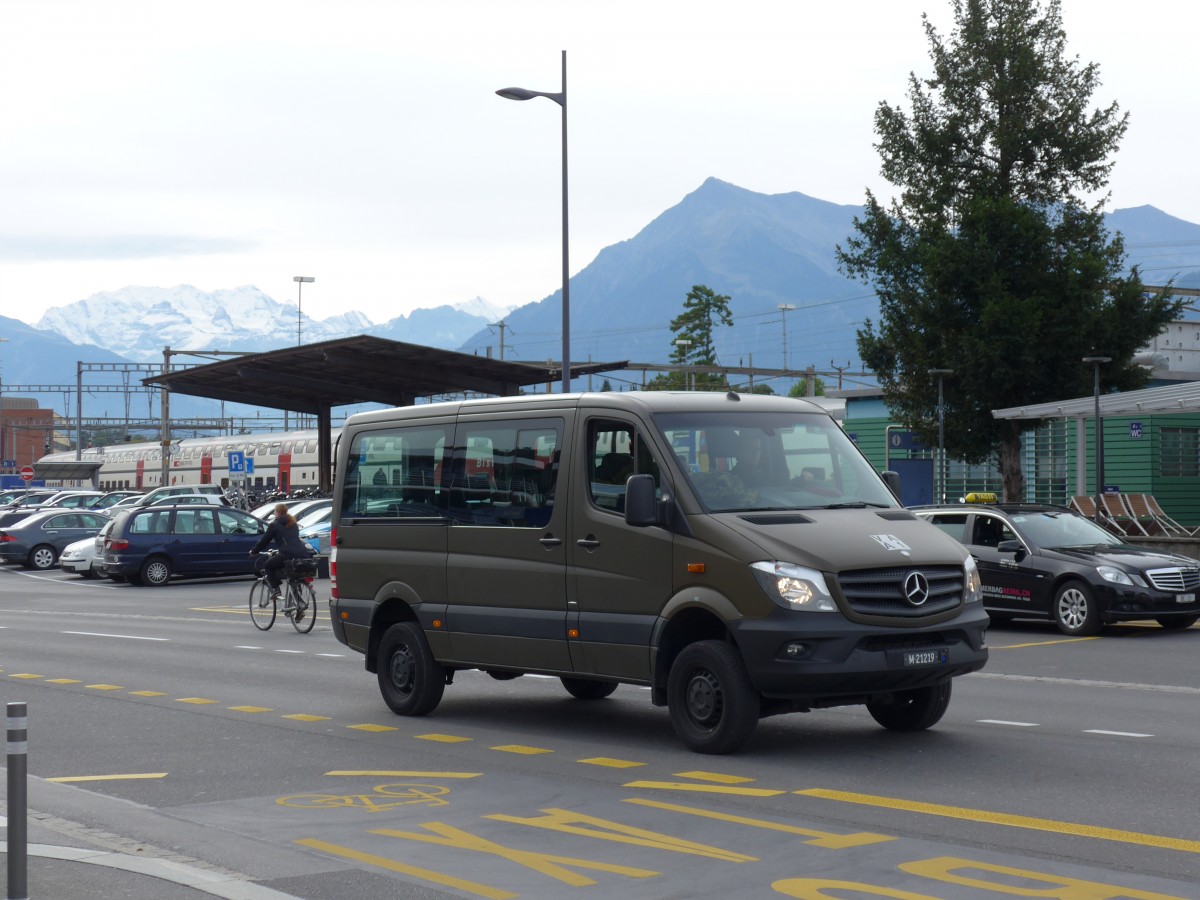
(233, 521)
(615, 451)
(504, 473)
(397, 473)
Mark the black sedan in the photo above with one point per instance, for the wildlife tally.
(37, 540)
(1048, 562)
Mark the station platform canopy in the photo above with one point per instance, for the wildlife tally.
(68, 469)
(1171, 398)
(313, 378)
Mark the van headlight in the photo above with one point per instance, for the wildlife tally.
(794, 587)
(972, 584)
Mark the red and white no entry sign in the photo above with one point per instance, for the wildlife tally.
(27, 473)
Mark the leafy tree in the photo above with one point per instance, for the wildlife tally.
(991, 261)
(800, 388)
(703, 310)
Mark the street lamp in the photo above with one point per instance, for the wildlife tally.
(783, 311)
(560, 98)
(3, 455)
(300, 280)
(1096, 362)
(941, 411)
(687, 350)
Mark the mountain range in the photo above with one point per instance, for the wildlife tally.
(773, 255)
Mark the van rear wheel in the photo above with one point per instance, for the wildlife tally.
(913, 710)
(586, 689)
(410, 679)
(714, 707)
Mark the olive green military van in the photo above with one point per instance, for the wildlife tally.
(735, 553)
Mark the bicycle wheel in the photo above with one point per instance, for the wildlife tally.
(305, 600)
(262, 607)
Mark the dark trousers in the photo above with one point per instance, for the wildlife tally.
(274, 569)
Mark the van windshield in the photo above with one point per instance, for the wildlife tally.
(771, 461)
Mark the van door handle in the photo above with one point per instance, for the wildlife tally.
(588, 543)
(549, 541)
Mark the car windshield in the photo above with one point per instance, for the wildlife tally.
(1061, 529)
(771, 461)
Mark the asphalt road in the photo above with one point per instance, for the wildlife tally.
(161, 717)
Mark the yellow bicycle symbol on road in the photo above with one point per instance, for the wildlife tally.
(385, 796)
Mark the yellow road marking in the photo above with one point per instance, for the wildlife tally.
(63, 681)
(518, 748)
(72, 778)
(198, 701)
(147, 694)
(1041, 643)
(610, 763)
(443, 738)
(458, 884)
(819, 838)
(704, 788)
(385, 773)
(25, 675)
(373, 727)
(105, 687)
(1011, 821)
(304, 717)
(714, 776)
(251, 709)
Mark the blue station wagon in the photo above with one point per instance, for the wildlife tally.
(151, 545)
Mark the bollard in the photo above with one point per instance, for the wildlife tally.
(18, 750)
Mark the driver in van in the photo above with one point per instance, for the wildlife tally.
(284, 531)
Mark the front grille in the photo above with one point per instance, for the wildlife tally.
(881, 592)
(1175, 580)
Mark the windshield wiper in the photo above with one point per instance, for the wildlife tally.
(853, 504)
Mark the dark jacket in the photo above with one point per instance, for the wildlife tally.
(286, 538)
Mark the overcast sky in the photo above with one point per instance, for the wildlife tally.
(221, 144)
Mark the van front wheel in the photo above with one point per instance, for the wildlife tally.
(410, 679)
(714, 707)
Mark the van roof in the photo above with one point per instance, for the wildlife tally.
(648, 402)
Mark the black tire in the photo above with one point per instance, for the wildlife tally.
(307, 597)
(262, 607)
(118, 579)
(587, 689)
(88, 573)
(1178, 624)
(42, 557)
(714, 707)
(1075, 611)
(913, 710)
(410, 679)
(156, 571)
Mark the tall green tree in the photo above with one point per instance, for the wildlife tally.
(692, 343)
(992, 260)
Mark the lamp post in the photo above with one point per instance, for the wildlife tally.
(687, 351)
(941, 412)
(560, 98)
(1096, 362)
(783, 311)
(300, 280)
(3, 446)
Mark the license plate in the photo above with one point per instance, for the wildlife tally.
(925, 657)
(1185, 598)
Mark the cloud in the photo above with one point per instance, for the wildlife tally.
(42, 248)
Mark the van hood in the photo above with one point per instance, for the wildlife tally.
(834, 540)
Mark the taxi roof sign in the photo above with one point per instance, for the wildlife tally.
(982, 497)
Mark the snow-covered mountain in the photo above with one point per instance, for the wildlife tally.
(137, 322)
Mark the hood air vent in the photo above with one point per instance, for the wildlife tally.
(777, 519)
(897, 515)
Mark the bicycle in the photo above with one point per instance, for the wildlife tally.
(299, 598)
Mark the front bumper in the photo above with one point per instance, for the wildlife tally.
(821, 658)
(1127, 604)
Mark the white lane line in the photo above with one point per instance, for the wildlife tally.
(246, 647)
(127, 637)
(1116, 733)
(1005, 722)
(290, 651)
(333, 655)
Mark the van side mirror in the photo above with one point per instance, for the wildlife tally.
(892, 480)
(641, 507)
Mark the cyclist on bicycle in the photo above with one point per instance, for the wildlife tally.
(284, 531)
